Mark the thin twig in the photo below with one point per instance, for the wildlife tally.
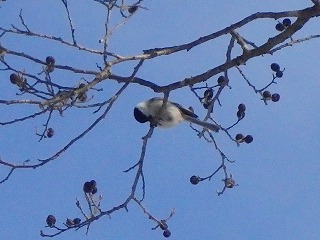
(65, 3)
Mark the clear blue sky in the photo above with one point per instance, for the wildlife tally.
(278, 193)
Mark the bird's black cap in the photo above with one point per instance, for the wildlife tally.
(140, 116)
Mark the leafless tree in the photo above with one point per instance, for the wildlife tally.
(44, 94)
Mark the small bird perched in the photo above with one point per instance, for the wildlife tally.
(172, 114)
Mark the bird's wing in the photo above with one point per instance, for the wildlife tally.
(185, 111)
(182, 109)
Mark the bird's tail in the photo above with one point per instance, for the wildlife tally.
(210, 126)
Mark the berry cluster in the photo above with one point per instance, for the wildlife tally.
(132, 9)
(276, 68)
(51, 221)
(208, 93)
(50, 132)
(18, 80)
(240, 138)
(207, 98)
(72, 223)
(241, 111)
(164, 226)
(90, 187)
(230, 182)
(50, 61)
(268, 96)
(285, 24)
(222, 81)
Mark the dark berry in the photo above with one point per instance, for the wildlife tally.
(208, 94)
(275, 97)
(50, 61)
(248, 139)
(163, 225)
(280, 27)
(221, 81)
(241, 107)
(132, 9)
(286, 22)
(93, 182)
(194, 180)
(50, 132)
(88, 187)
(94, 190)
(275, 67)
(266, 95)
(51, 220)
(206, 105)
(76, 221)
(241, 114)
(279, 74)
(230, 183)
(14, 78)
(166, 233)
(239, 136)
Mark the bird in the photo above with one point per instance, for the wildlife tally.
(171, 115)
